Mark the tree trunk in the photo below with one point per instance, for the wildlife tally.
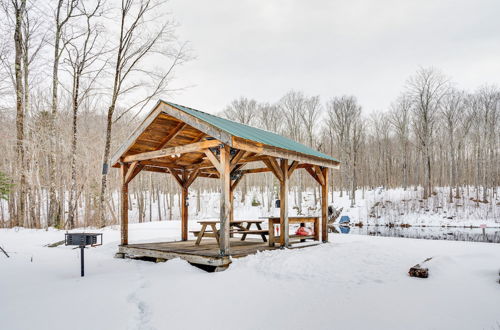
(20, 112)
(74, 140)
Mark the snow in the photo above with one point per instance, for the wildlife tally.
(354, 282)
(398, 206)
(373, 207)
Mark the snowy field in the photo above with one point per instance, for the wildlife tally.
(373, 207)
(354, 282)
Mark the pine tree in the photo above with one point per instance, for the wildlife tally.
(5, 186)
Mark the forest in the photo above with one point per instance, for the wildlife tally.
(77, 77)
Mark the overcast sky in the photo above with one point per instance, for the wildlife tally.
(262, 49)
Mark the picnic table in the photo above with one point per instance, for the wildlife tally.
(243, 227)
(291, 220)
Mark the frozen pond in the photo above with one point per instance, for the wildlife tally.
(491, 235)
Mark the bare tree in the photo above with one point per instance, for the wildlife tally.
(488, 117)
(64, 12)
(292, 106)
(18, 8)
(83, 52)
(241, 110)
(452, 111)
(399, 117)
(268, 116)
(144, 33)
(426, 90)
(344, 116)
(309, 117)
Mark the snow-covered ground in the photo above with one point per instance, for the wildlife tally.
(354, 282)
(399, 206)
(373, 207)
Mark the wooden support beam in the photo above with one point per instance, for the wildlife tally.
(313, 174)
(324, 206)
(208, 175)
(235, 183)
(171, 135)
(184, 213)
(284, 226)
(213, 159)
(292, 168)
(176, 177)
(277, 168)
(254, 158)
(236, 158)
(155, 169)
(238, 167)
(137, 170)
(319, 174)
(160, 163)
(231, 206)
(267, 169)
(198, 146)
(196, 139)
(207, 163)
(192, 177)
(130, 171)
(124, 205)
(256, 170)
(274, 167)
(225, 201)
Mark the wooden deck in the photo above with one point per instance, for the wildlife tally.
(207, 253)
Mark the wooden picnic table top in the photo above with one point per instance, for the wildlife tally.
(296, 217)
(232, 222)
(276, 220)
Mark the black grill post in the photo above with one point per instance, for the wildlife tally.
(82, 261)
(82, 240)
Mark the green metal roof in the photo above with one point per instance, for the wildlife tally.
(251, 133)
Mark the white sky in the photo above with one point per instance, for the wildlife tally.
(262, 49)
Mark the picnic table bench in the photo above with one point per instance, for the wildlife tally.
(235, 227)
(291, 220)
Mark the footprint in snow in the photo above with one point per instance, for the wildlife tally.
(143, 317)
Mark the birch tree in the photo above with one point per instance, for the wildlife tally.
(18, 8)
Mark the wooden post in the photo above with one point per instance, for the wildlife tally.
(231, 208)
(284, 227)
(225, 202)
(184, 213)
(324, 206)
(124, 205)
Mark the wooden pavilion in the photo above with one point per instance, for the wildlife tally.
(188, 144)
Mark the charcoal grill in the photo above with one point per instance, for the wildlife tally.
(82, 240)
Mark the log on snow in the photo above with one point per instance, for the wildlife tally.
(419, 271)
(56, 244)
